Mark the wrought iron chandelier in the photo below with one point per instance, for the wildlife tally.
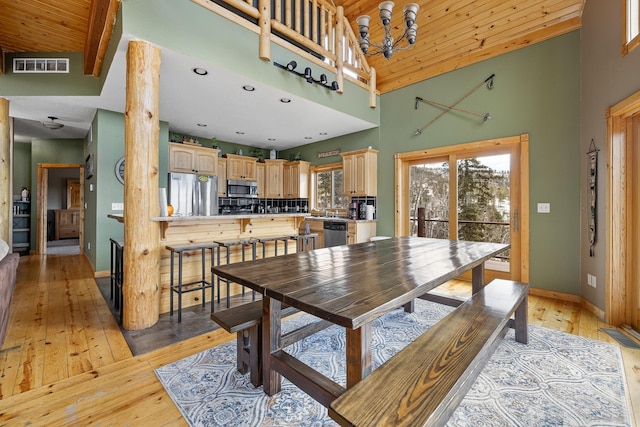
(388, 45)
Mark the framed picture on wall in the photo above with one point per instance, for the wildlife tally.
(88, 166)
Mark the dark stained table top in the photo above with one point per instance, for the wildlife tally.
(353, 284)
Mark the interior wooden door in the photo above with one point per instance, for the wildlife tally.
(73, 194)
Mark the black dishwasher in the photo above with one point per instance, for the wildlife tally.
(335, 233)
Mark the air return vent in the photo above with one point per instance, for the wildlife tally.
(40, 65)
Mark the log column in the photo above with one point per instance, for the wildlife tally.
(6, 202)
(141, 288)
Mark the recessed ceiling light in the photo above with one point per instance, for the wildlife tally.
(307, 137)
(323, 133)
(240, 132)
(248, 88)
(271, 139)
(285, 100)
(200, 71)
(202, 125)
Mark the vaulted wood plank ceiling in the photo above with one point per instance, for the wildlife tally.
(451, 33)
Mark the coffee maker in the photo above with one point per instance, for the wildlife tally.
(353, 210)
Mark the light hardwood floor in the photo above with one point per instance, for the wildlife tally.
(65, 362)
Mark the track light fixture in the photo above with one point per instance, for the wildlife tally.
(308, 76)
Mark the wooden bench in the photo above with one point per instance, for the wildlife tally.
(246, 321)
(424, 383)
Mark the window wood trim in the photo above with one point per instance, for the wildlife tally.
(628, 46)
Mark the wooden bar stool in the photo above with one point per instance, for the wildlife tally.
(228, 244)
(196, 285)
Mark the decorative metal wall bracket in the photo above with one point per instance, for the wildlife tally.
(307, 75)
(485, 116)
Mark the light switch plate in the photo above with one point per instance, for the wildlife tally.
(117, 206)
(544, 207)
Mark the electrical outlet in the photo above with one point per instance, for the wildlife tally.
(544, 207)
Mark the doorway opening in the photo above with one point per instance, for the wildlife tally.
(60, 209)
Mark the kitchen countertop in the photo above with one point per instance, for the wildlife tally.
(337, 219)
(119, 217)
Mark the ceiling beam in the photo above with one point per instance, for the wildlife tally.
(101, 23)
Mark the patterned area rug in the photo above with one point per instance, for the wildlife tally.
(557, 379)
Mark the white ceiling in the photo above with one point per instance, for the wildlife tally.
(186, 100)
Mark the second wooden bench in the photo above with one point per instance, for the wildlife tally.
(424, 383)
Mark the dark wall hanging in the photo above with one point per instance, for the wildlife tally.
(592, 194)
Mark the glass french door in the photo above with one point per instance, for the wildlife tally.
(469, 196)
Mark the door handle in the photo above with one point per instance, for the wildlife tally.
(515, 220)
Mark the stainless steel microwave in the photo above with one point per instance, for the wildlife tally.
(237, 188)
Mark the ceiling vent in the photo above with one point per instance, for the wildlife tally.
(40, 65)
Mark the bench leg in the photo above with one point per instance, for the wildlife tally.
(522, 333)
(255, 355)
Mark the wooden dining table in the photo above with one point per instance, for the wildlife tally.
(349, 286)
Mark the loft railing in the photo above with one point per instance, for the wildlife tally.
(315, 29)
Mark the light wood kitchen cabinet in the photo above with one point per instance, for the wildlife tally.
(261, 179)
(67, 223)
(360, 172)
(358, 232)
(296, 180)
(241, 167)
(193, 159)
(222, 177)
(274, 178)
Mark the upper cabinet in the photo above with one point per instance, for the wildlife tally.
(360, 172)
(296, 180)
(222, 177)
(193, 159)
(261, 179)
(274, 179)
(241, 167)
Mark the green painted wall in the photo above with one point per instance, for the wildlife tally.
(537, 91)
(51, 151)
(21, 167)
(107, 147)
(607, 78)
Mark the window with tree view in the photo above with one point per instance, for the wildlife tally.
(482, 194)
(329, 190)
(632, 26)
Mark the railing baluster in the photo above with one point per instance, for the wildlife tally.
(287, 13)
(307, 19)
(314, 21)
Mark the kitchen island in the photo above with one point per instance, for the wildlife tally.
(175, 231)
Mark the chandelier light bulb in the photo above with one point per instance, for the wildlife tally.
(410, 13)
(386, 8)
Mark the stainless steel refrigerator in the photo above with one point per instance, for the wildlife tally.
(193, 195)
